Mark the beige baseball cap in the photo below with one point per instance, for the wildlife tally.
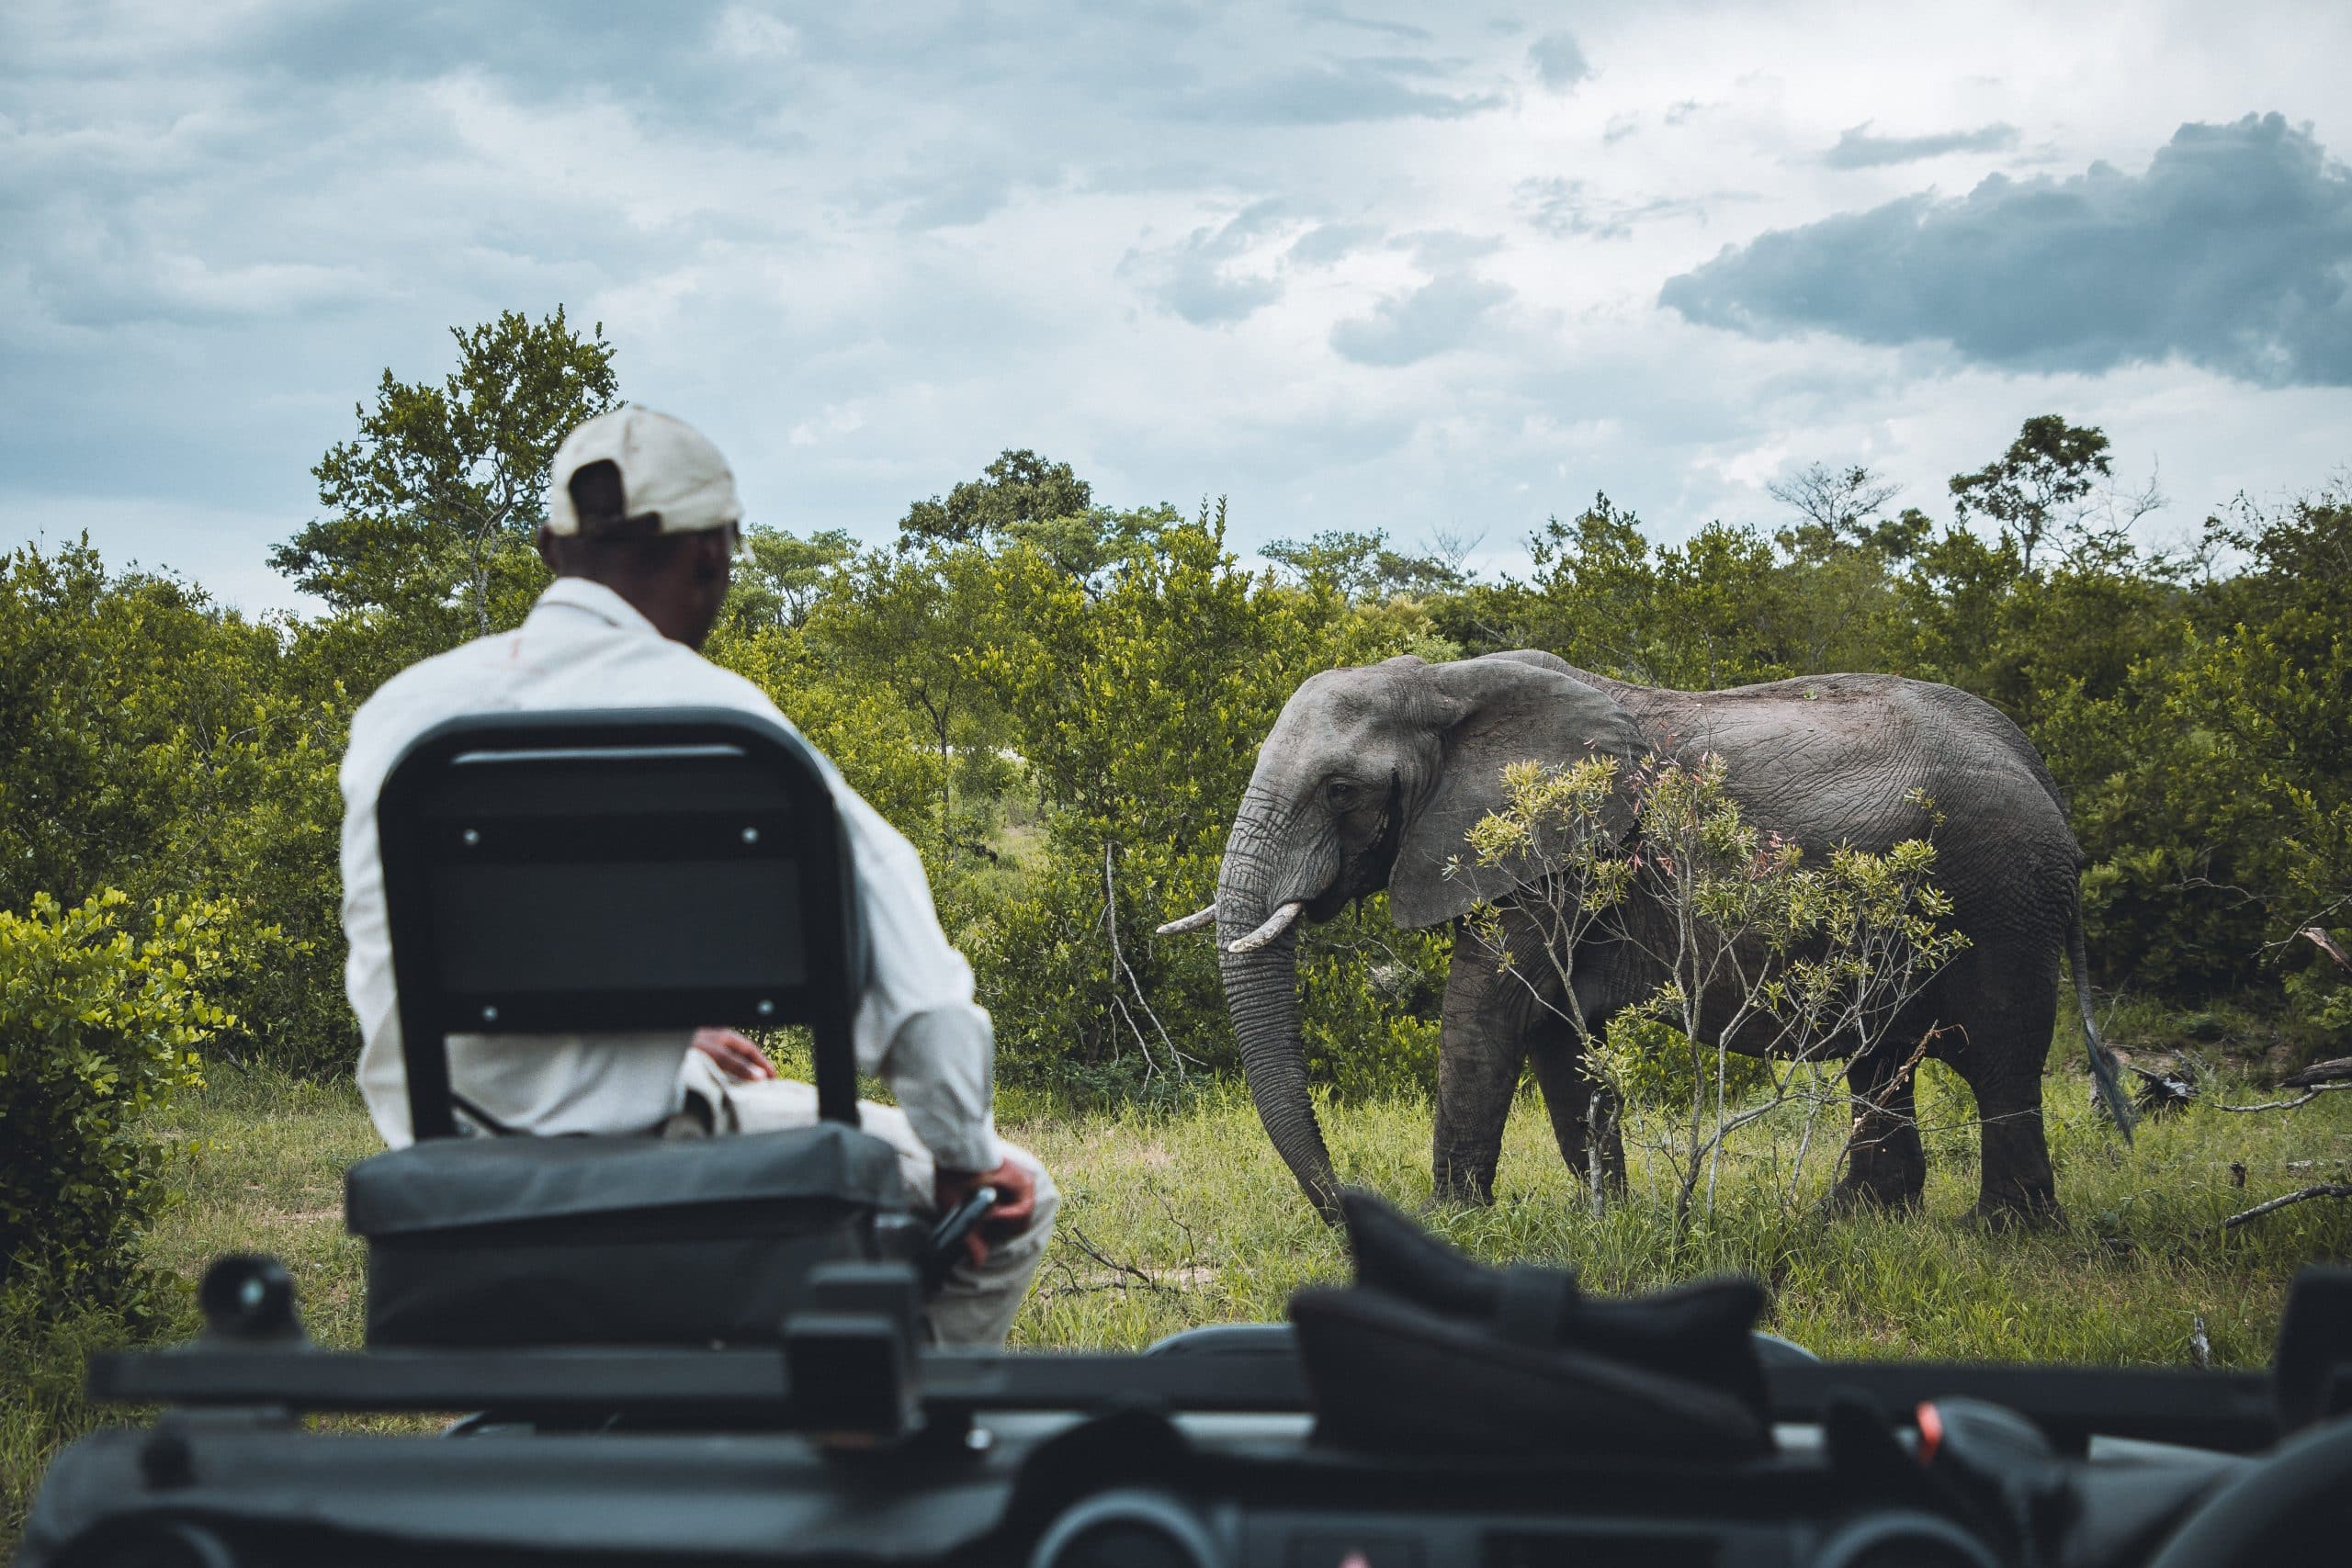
(636, 472)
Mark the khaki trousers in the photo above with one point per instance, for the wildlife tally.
(976, 1307)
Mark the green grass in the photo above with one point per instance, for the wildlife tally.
(1184, 1216)
(1196, 1203)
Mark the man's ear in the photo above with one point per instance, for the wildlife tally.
(714, 559)
(1498, 710)
(547, 549)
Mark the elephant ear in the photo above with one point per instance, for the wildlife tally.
(1501, 709)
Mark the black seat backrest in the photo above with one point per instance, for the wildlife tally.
(616, 869)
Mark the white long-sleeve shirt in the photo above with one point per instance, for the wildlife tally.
(584, 647)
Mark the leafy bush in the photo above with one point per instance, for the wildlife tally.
(1368, 1001)
(98, 1031)
(158, 744)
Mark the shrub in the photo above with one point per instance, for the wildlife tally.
(1368, 1001)
(98, 1031)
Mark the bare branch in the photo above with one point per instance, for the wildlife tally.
(2324, 1189)
(1124, 1271)
(2305, 1099)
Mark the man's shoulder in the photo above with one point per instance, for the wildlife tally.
(689, 680)
(415, 699)
(492, 674)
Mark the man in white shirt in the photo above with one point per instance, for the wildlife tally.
(642, 523)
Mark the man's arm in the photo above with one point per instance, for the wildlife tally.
(918, 1024)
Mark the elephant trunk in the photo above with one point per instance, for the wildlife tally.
(1262, 992)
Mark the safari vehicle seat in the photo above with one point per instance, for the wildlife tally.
(615, 870)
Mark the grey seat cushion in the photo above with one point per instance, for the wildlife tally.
(610, 1240)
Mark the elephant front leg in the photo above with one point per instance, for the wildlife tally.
(1886, 1166)
(1483, 1039)
(1586, 1119)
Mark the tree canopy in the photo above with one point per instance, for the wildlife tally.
(432, 508)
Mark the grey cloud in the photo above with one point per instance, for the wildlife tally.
(1440, 315)
(1445, 250)
(949, 187)
(1567, 209)
(1207, 299)
(956, 203)
(1193, 279)
(2234, 252)
(706, 65)
(1333, 15)
(1858, 148)
(1339, 93)
(1559, 61)
(1327, 243)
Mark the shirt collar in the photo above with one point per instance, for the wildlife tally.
(579, 594)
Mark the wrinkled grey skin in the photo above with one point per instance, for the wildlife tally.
(1371, 777)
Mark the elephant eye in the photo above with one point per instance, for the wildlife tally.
(1339, 792)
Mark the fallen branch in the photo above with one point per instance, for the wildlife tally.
(2319, 938)
(2304, 1098)
(2324, 1189)
(1128, 1271)
(2337, 1069)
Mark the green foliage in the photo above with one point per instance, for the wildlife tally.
(781, 576)
(1656, 1069)
(1136, 708)
(98, 1029)
(160, 745)
(2271, 679)
(916, 624)
(1699, 615)
(1368, 1003)
(1760, 952)
(2048, 468)
(1362, 569)
(874, 740)
(1020, 489)
(433, 508)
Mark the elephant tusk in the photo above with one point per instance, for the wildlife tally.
(1276, 923)
(1189, 923)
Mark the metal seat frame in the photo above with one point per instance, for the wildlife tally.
(613, 870)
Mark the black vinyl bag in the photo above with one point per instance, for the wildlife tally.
(497, 1242)
(618, 871)
(1433, 1352)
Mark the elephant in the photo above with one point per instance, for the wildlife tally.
(1371, 777)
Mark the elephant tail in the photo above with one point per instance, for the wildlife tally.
(2106, 1078)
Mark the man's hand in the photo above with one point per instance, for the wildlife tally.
(736, 1057)
(1016, 1201)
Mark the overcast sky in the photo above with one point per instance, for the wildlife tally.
(1411, 267)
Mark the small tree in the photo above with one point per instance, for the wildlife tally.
(434, 505)
(781, 578)
(1756, 950)
(2039, 483)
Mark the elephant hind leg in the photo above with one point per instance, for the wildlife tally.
(2017, 1183)
(1886, 1166)
(1583, 1109)
(2011, 1008)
